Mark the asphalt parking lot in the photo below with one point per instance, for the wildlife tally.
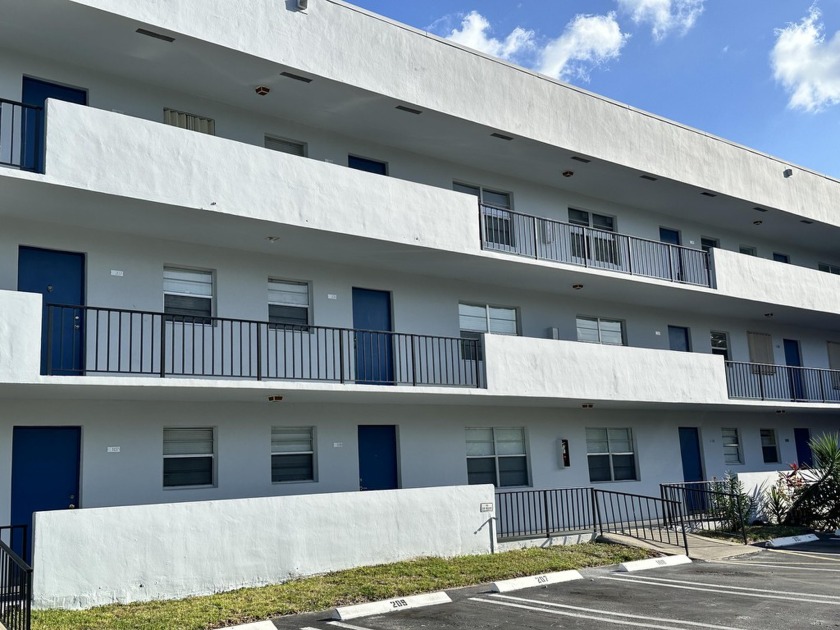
(795, 587)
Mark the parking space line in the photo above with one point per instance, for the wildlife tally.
(614, 614)
(739, 588)
(789, 567)
(805, 554)
(340, 624)
(602, 619)
(719, 590)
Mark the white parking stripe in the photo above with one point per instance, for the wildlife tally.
(346, 625)
(788, 567)
(614, 614)
(720, 590)
(806, 554)
(739, 588)
(602, 619)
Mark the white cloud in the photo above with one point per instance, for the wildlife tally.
(806, 64)
(589, 40)
(664, 16)
(475, 33)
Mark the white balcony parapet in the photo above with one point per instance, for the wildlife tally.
(20, 336)
(545, 368)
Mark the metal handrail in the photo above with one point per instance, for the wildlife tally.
(767, 381)
(86, 339)
(559, 241)
(21, 127)
(15, 590)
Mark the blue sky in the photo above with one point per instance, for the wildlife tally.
(763, 73)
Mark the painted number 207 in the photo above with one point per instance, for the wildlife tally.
(399, 603)
(541, 579)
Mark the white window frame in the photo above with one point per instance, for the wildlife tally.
(310, 452)
(495, 456)
(611, 454)
(272, 301)
(598, 321)
(170, 456)
(732, 440)
(280, 141)
(191, 122)
(198, 273)
(475, 333)
(769, 433)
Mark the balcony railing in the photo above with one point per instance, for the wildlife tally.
(762, 381)
(545, 239)
(21, 135)
(89, 340)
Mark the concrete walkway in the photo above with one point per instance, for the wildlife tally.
(699, 547)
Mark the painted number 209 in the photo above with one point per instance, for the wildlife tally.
(399, 603)
(541, 579)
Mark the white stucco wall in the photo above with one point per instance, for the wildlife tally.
(430, 73)
(20, 336)
(153, 552)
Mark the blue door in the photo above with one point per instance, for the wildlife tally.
(678, 339)
(378, 457)
(793, 359)
(45, 473)
(804, 456)
(60, 278)
(35, 92)
(374, 350)
(692, 465)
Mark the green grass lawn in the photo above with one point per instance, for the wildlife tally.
(334, 589)
(757, 533)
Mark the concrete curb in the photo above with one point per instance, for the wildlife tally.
(260, 625)
(653, 563)
(515, 584)
(390, 605)
(787, 541)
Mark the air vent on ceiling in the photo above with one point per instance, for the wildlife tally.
(296, 77)
(501, 136)
(650, 178)
(760, 209)
(807, 221)
(577, 158)
(708, 194)
(165, 38)
(410, 110)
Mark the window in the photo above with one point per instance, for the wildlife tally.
(834, 363)
(707, 244)
(782, 258)
(288, 303)
(748, 250)
(599, 245)
(761, 352)
(189, 121)
(369, 166)
(497, 456)
(829, 268)
(498, 229)
(600, 330)
(292, 147)
(188, 294)
(610, 455)
(292, 454)
(477, 319)
(720, 344)
(188, 457)
(731, 446)
(768, 446)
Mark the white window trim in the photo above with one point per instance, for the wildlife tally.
(308, 306)
(181, 268)
(212, 456)
(312, 453)
(772, 432)
(495, 456)
(487, 308)
(737, 443)
(612, 453)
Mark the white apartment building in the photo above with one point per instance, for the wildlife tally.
(252, 250)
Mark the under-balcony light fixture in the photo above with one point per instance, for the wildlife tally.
(147, 33)
(706, 193)
(501, 136)
(275, 399)
(760, 209)
(272, 239)
(768, 314)
(262, 90)
(577, 287)
(568, 173)
(781, 411)
(788, 172)
(759, 222)
(806, 221)
(577, 158)
(650, 178)
(587, 406)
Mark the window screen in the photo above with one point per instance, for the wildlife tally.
(292, 454)
(188, 457)
(187, 293)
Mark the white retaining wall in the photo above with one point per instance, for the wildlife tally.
(87, 558)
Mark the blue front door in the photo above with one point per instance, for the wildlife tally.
(794, 360)
(35, 92)
(804, 456)
(60, 278)
(692, 465)
(378, 457)
(45, 473)
(374, 350)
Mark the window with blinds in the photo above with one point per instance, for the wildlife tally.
(497, 456)
(600, 330)
(769, 447)
(761, 351)
(189, 121)
(610, 454)
(188, 457)
(292, 147)
(288, 304)
(292, 454)
(475, 319)
(731, 446)
(188, 295)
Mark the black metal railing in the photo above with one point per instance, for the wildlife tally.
(546, 239)
(647, 518)
(708, 506)
(529, 513)
(91, 340)
(21, 135)
(15, 581)
(763, 381)
(533, 513)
